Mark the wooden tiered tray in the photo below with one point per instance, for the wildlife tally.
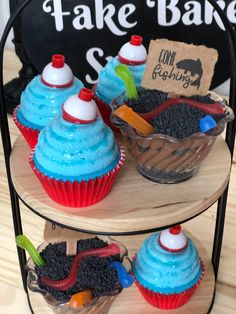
(130, 300)
(135, 204)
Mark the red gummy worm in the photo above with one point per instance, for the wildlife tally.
(70, 280)
(215, 108)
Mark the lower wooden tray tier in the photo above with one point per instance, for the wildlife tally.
(135, 203)
(130, 300)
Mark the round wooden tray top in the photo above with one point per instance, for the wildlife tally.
(135, 203)
(130, 300)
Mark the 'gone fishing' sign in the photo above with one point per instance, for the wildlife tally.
(179, 68)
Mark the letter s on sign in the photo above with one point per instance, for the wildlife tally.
(94, 63)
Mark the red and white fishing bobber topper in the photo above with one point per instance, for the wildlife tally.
(133, 52)
(80, 108)
(57, 73)
(173, 239)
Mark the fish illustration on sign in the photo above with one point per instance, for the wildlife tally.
(193, 66)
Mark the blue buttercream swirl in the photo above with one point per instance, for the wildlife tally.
(110, 85)
(41, 103)
(69, 151)
(166, 272)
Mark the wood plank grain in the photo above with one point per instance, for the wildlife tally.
(121, 211)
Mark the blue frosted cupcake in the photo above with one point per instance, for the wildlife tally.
(168, 269)
(109, 84)
(76, 158)
(43, 98)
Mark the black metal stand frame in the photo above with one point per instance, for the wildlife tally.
(14, 88)
(6, 141)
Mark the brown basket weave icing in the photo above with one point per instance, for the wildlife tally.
(162, 159)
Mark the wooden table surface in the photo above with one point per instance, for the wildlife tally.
(12, 296)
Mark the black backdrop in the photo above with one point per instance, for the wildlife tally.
(88, 32)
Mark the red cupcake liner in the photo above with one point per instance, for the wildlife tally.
(78, 194)
(105, 112)
(30, 135)
(169, 301)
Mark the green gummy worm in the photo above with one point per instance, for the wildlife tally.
(23, 242)
(124, 73)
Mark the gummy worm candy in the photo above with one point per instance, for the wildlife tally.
(215, 108)
(23, 242)
(126, 280)
(81, 299)
(124, 73)
(70, 280)
(132, 118)
(207, 123)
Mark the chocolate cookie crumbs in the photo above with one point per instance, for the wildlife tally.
(93, 273)
(148, 100)
(203, 99)
(180, 121)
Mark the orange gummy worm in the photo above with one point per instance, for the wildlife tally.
(132, 118)
(80, 299)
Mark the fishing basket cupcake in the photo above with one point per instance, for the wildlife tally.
(165, 158)
(95, 274)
